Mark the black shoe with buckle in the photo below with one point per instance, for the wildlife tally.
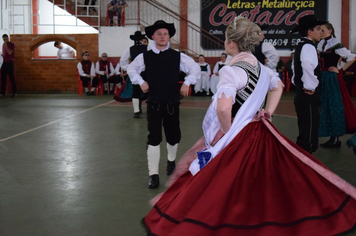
(153, 182)
(171, 165)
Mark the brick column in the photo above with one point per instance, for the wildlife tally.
(345, 22)
(36, 52)
(184, 24)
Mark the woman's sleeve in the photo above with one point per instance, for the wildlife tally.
(232, 78)
(273, 78)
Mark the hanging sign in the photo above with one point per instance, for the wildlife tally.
(281, 16)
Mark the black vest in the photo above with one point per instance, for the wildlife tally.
(220, 66)
(136, 50)
(299, 72)
(204, 68)
(162, 76)
(329, 57)
(258, 54)
(253, 74)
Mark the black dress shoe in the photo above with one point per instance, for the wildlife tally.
(136, 115)
(153, 182)
(171, 165)
(92, 93)
(335, 144)
(87, 93)
(329, 142)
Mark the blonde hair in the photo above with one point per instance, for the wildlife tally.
(244, 33)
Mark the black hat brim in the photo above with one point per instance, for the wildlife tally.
(299, 28)
(150, 30)
(137, 36)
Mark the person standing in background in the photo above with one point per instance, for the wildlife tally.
(129, 55)
(214, 79)
(265, 52)
(306, 78)
(7, 68)
(337, 113)
(203, 84)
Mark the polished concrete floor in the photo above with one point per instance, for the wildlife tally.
(76, 166)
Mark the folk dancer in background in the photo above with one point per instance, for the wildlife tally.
(129, 55)
(265, 52)
(337, 113)
(214, 79)
(203, 84)
(306, 78)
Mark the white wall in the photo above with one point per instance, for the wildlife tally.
(114, 40)
(64, 24)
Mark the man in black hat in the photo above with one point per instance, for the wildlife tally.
(162, 66)
(306, 79)
(129, 55)
(265, 52)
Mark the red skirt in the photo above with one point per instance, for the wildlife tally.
(349, 108)
(255, 186)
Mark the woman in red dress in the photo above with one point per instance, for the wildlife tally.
(248, 179)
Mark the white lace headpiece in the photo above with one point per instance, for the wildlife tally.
(237, 18)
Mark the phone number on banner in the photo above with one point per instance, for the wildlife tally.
(282, 42)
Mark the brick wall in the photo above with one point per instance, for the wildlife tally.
(50, 75)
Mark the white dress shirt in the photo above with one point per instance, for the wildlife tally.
(271, 54)
(187, 65)
(342, 52)
(309, 61)
(101, 72)
(81, 72)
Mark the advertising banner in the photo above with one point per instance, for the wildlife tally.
(281, 16)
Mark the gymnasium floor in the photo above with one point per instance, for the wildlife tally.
(76, 165)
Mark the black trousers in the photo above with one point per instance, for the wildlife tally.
(7, 68)
(86, 81)
(308, 114)
(168, 115)
(136, 91)
(113, 79)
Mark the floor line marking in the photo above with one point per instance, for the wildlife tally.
(50, 123)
